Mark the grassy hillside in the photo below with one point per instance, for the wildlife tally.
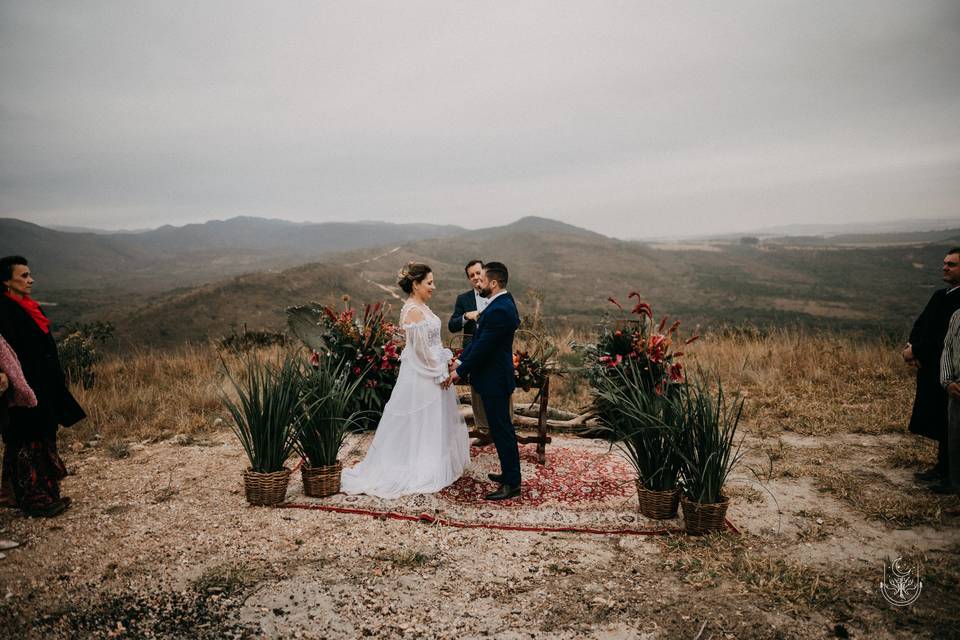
(258, 301)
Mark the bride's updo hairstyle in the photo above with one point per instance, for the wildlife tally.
(412, 272)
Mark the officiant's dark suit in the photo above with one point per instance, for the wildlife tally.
(488, 360)
(466, 302)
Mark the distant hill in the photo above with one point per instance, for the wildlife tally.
(257, 300)
(303, 238)
(574, 271)
(877, 239)
(168, 257)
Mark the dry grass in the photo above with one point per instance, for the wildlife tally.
(920, 453)
(872, 495)
(812, 384)
(707, 561)
(842, 470)
(807, 384)
(151, 395)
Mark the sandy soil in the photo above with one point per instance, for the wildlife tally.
(162, 544)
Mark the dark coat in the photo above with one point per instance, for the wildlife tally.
(929, 416)
(37, 353)
(466, 301)
(488, 359)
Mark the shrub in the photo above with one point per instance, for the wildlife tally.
(77, 348)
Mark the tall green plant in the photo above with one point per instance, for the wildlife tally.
(325, 412)
(265, 411)
(706, 444)
(643, 424)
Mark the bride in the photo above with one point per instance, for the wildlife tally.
(421, 444)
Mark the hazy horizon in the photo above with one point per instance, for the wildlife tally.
(634, 120)
(891, 226)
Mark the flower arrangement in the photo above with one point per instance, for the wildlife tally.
(365, 344)
(652, 347)
(529, 370)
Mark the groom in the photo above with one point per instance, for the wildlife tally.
(488, 360)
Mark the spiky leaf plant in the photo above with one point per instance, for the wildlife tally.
(706, 444)
(325, 411)
(643, 424)
(265, 418)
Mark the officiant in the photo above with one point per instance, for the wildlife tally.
(467, 309)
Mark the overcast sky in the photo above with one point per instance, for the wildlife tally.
(632, 119)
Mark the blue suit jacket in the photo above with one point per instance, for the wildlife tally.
(488, 359)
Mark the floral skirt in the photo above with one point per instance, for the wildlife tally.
(33, 469)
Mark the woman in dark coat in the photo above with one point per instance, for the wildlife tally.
(31, 462)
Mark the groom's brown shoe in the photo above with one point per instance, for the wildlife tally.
(496, 477)
(505, 492)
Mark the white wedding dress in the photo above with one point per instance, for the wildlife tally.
(422, 443)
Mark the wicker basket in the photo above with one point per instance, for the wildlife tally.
(266, 488)
(319, 482)
(658, 505)
(700, 518)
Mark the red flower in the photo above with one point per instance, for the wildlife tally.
(657, 347)
(641, 308)
(357, 371)
(315, 360)
(676, 372)
(615, 302)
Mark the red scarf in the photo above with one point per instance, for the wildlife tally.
(32, 307)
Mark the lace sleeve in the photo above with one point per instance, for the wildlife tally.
(418, 352)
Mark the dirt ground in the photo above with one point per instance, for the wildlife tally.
(160, 543)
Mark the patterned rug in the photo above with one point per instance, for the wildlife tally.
(583, 487)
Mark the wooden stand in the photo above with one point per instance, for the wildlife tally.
(541, 439)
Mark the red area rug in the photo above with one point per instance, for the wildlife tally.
(583, 487)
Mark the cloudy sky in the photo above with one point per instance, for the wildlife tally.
(629, 118)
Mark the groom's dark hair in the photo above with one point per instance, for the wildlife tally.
(497, 271)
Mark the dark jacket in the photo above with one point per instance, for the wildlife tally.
(466, 301)
(37, 353)
(488, 359)
(929, 416)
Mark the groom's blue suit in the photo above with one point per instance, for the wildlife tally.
(488, 360)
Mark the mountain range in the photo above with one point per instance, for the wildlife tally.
(168, 285)
(162, 258)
